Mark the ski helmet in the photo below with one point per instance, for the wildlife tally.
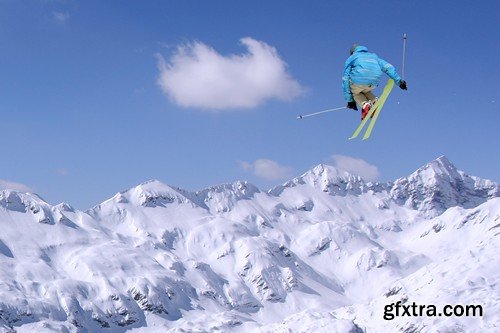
(353, 48)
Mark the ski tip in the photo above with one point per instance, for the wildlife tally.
(366, 136)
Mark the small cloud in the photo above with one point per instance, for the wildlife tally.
(61, 17)
(62, 172)
(198, 76)
(267, 169)
(356, 166)
(139, 91)
(9, 185)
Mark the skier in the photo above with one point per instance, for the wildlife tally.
(362, 74)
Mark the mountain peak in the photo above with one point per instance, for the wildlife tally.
(330, 172)
(221, 198)
(439, 167)
(154, 185)
(150, 193)
(438, 185)
(328, 178)
(13, 199)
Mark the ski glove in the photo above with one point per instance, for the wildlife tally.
(402, 85)
(352, 105)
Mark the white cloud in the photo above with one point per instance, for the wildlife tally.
(8, 185)
(62, 172)
(267, 169)
(61, 16)
(356, 166)
(198, 76)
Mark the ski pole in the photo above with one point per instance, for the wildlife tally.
(320, 112)
(404, 54)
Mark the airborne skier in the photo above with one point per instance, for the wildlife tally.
(362, 73)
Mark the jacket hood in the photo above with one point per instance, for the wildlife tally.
(361, 48)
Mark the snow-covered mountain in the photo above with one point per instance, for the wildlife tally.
(324, 252)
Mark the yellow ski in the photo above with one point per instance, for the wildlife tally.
(373, 112)
(380, 102)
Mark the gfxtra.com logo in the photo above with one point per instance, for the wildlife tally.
(399, 309)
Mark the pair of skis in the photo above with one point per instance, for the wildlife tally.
(373, 113)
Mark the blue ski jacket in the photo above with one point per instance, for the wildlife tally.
(365, 68)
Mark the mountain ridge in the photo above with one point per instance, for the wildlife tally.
(337, 181)
(324, 248)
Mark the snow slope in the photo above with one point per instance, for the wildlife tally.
(324, 252)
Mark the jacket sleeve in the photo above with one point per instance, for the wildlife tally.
(389, 69)
(346, 78)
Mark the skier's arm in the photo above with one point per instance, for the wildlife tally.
(389, 69)
(346, 80)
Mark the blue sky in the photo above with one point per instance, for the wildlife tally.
(84, 115)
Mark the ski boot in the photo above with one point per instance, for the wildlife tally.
(373, 103)
(365, 109)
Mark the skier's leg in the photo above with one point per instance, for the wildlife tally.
(373, 99)
(357, 93)
(370, 100)
(369, 94)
